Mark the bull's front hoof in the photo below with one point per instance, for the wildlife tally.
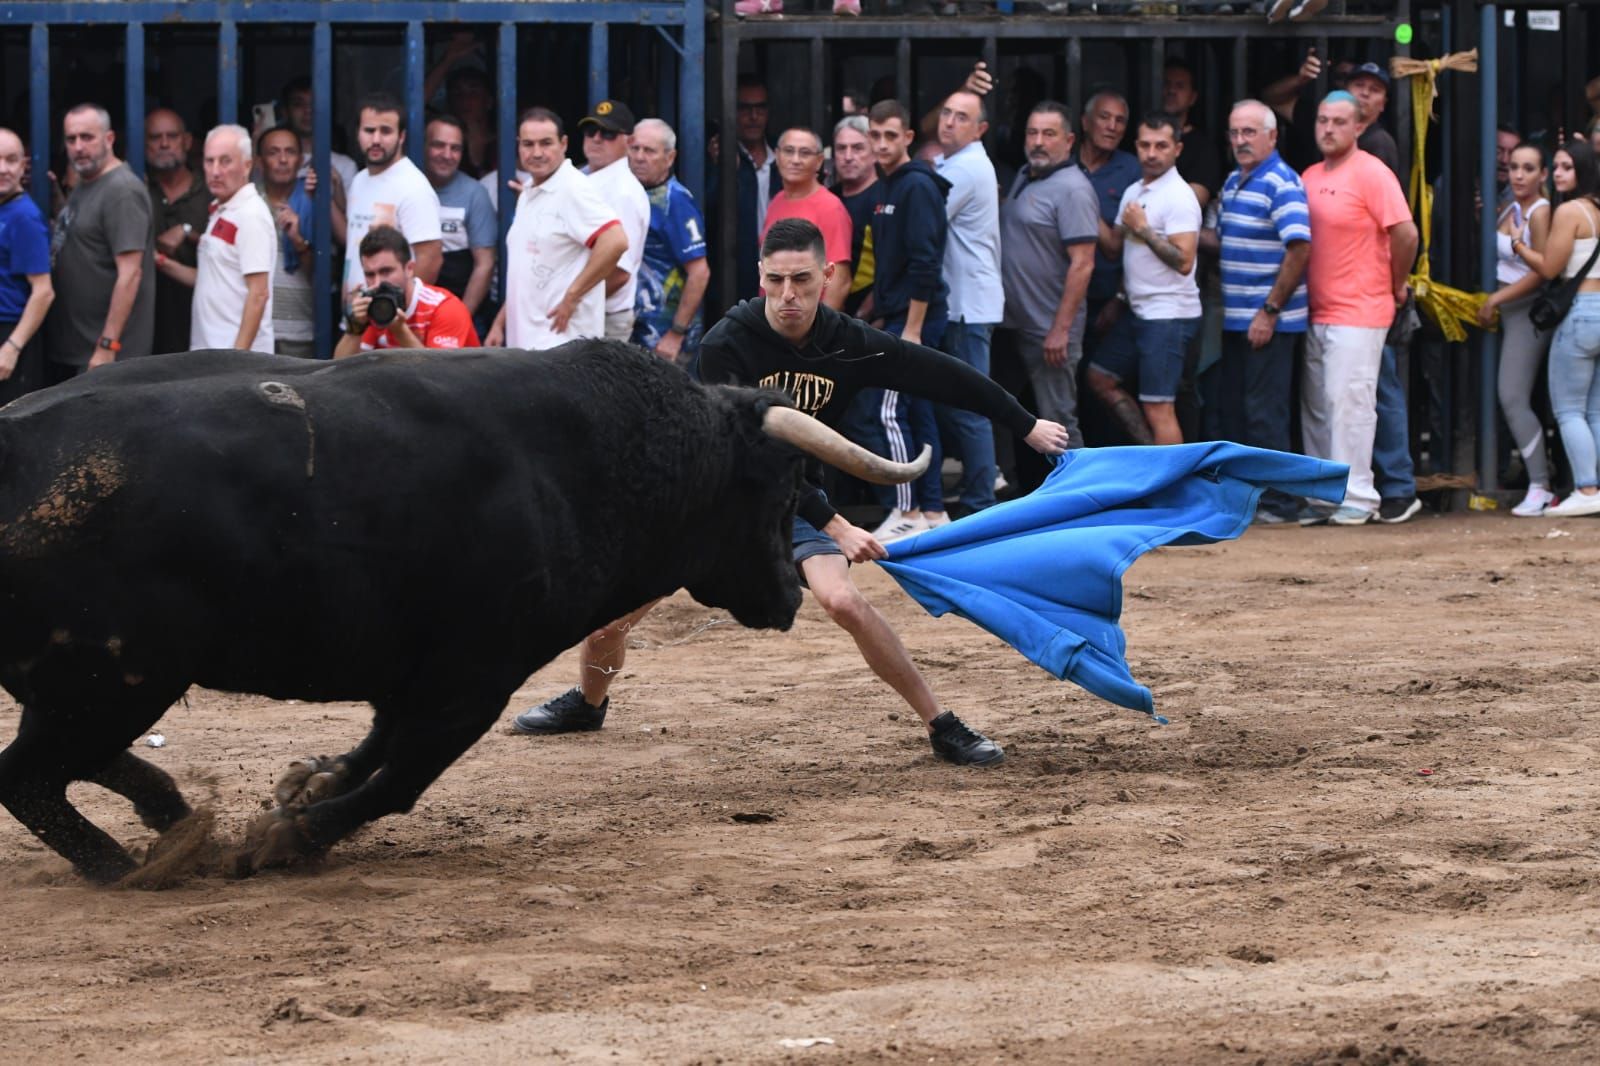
(107, 869)
(275, 839)
(311, 780)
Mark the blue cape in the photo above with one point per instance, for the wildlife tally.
(1044, 572)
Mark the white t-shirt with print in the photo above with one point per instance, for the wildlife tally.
(240, 239)
(623, 194)
(1155, 290)
(400, 197)
(548, 247)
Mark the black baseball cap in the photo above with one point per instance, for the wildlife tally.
(1372, 69)
(613, 115)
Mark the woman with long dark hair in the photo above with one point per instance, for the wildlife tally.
(1524, 226)
(1574, 383)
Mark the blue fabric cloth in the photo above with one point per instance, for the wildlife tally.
(1044, 572)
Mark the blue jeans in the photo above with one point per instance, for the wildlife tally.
(970, 435)
(1575, 387)
(1253, 389)
(1392, 472)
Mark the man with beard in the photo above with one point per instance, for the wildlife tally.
(1048, 228)
(104, 271)
(391, 191)
(179, 200)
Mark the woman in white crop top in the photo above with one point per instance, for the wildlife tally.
(1575, 348)
(1524, 226)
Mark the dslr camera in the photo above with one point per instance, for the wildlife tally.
(387, 299)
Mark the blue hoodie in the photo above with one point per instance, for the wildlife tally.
(908, 236)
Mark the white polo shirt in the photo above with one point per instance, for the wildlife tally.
(556, 226)
(240, 239)
(622, 193)
(1155, 290)
(400, 197)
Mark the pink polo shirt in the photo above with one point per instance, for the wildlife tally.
(1352, 207)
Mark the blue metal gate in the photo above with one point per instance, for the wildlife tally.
(681, 24)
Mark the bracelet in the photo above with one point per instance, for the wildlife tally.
(161, 259)
(13, 344)
(679, 330)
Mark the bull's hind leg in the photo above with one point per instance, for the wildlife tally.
(35, 769)
(419, 746)
(152, 791)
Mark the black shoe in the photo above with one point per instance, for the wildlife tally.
(1398, 509)
(955, 741)
(567, 713)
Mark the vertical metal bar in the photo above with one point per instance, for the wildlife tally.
(323, 271)
(902, 74)
(133, 92)
(599, 62)
(1153, 85)
(817, 90)
(1327, 64)
(39, 112)
(1403, 118)
(1075, 73)
(692, 102)
(991, 59)
(726, 271)
(1241, 69)
(1488, 102)
(667, 75)
(416, 106)
(506, 76)
(228, 72)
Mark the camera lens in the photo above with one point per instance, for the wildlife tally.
(382, 309)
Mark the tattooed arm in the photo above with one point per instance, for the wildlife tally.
(1177, 250)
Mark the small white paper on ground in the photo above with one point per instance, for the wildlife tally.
(804, 1041)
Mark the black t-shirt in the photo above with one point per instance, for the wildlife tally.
(860, 207)
(1200, 163)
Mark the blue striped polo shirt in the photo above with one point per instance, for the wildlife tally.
(1261, 214)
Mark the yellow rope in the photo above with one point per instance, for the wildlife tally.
(1450, 308)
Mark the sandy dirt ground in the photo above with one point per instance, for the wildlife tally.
(760, 848)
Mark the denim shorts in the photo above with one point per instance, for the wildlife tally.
(808, 540)
(1151, 350)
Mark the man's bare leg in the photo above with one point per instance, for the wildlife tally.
(829, 578)
(880, 646)
(600, 659)
(1163, 419)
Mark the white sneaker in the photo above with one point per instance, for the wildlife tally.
(1535, 503)
(899, 525)
(1576, 505)
(935, 519)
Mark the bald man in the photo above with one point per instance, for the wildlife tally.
(179, 201)
(25, 290)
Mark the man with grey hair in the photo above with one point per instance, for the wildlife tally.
(859, 189)
(238, 252)
(102, 251)
(674, 272)
(1263, 238)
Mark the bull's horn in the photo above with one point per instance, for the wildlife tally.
(812, 437)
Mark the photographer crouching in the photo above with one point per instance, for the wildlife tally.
(395, 310)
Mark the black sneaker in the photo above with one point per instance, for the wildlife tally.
(955, 741)
(1398, 509)
(567, 713)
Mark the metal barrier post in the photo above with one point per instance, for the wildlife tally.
(321, 158)
(133, 91)
(1488, 120)
(416, 54)
(227, 71)
(39, 113)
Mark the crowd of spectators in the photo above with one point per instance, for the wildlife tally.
(1086, 278)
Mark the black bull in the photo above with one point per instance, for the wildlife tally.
(421, 532)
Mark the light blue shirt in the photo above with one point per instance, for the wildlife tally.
(972, 252)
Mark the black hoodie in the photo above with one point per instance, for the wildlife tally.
(842, 356)
(909, 232)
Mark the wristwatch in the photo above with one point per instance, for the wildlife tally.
(1272, 309)
(681, 331)
(110, 344)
